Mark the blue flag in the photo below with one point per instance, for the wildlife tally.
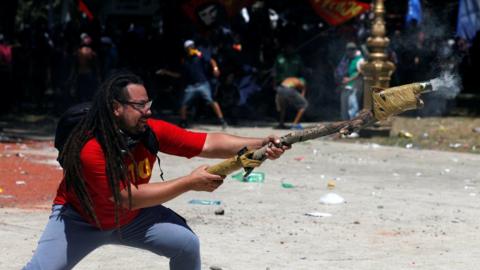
(468, 19)
(414, 11)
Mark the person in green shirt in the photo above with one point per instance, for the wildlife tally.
(350, 85)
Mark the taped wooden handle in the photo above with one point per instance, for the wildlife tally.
(225, 167)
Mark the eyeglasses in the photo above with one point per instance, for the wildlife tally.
(140, 106)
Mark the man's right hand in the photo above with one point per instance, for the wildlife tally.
(201, 180)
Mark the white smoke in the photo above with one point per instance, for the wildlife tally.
(447, 85)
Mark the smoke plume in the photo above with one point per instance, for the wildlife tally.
(447, 85)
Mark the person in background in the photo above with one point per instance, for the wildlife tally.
(291, 91)
(195, 74)
(289, 85)
(349, 79)
(85, 77)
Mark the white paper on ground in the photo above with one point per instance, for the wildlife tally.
(318, 214)
(332, 198)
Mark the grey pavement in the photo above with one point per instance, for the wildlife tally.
(404, 209)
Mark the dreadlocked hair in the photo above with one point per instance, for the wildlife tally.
(100, 123)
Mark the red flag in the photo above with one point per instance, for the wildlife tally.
(83, 8)
(336, 12)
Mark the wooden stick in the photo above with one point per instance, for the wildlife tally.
(365, 118)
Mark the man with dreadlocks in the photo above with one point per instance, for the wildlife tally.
(105, 196)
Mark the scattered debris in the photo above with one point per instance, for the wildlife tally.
(220, 212)
(20, 182)
(318, 214)
(332, 198)
(331, 184)
(445, 171)
(299, 158)
(476, 129)
(455, 145)
(7, 196)
(405, 134)
(205, 202)
(253, 177)
(373, 146)
(287, 185)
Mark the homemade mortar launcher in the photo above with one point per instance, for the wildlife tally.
(386, 102)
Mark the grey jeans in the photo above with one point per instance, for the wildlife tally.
(68, 238)
(349, 103)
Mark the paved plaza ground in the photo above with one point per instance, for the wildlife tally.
(404, 209)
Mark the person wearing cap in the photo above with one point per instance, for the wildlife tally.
(349, 79)
(195, 73)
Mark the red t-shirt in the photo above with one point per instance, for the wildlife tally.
(172, 140)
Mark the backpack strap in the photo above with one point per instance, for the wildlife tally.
(150, 142)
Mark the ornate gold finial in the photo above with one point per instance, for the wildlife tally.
(377, 70)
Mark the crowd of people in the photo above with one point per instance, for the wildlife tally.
(241, 70)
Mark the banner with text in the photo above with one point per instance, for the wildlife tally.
(336, 12)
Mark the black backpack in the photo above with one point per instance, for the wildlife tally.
(71, 117)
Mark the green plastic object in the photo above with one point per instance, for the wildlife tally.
(205, 202)
(253, 177)
(287, 185)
